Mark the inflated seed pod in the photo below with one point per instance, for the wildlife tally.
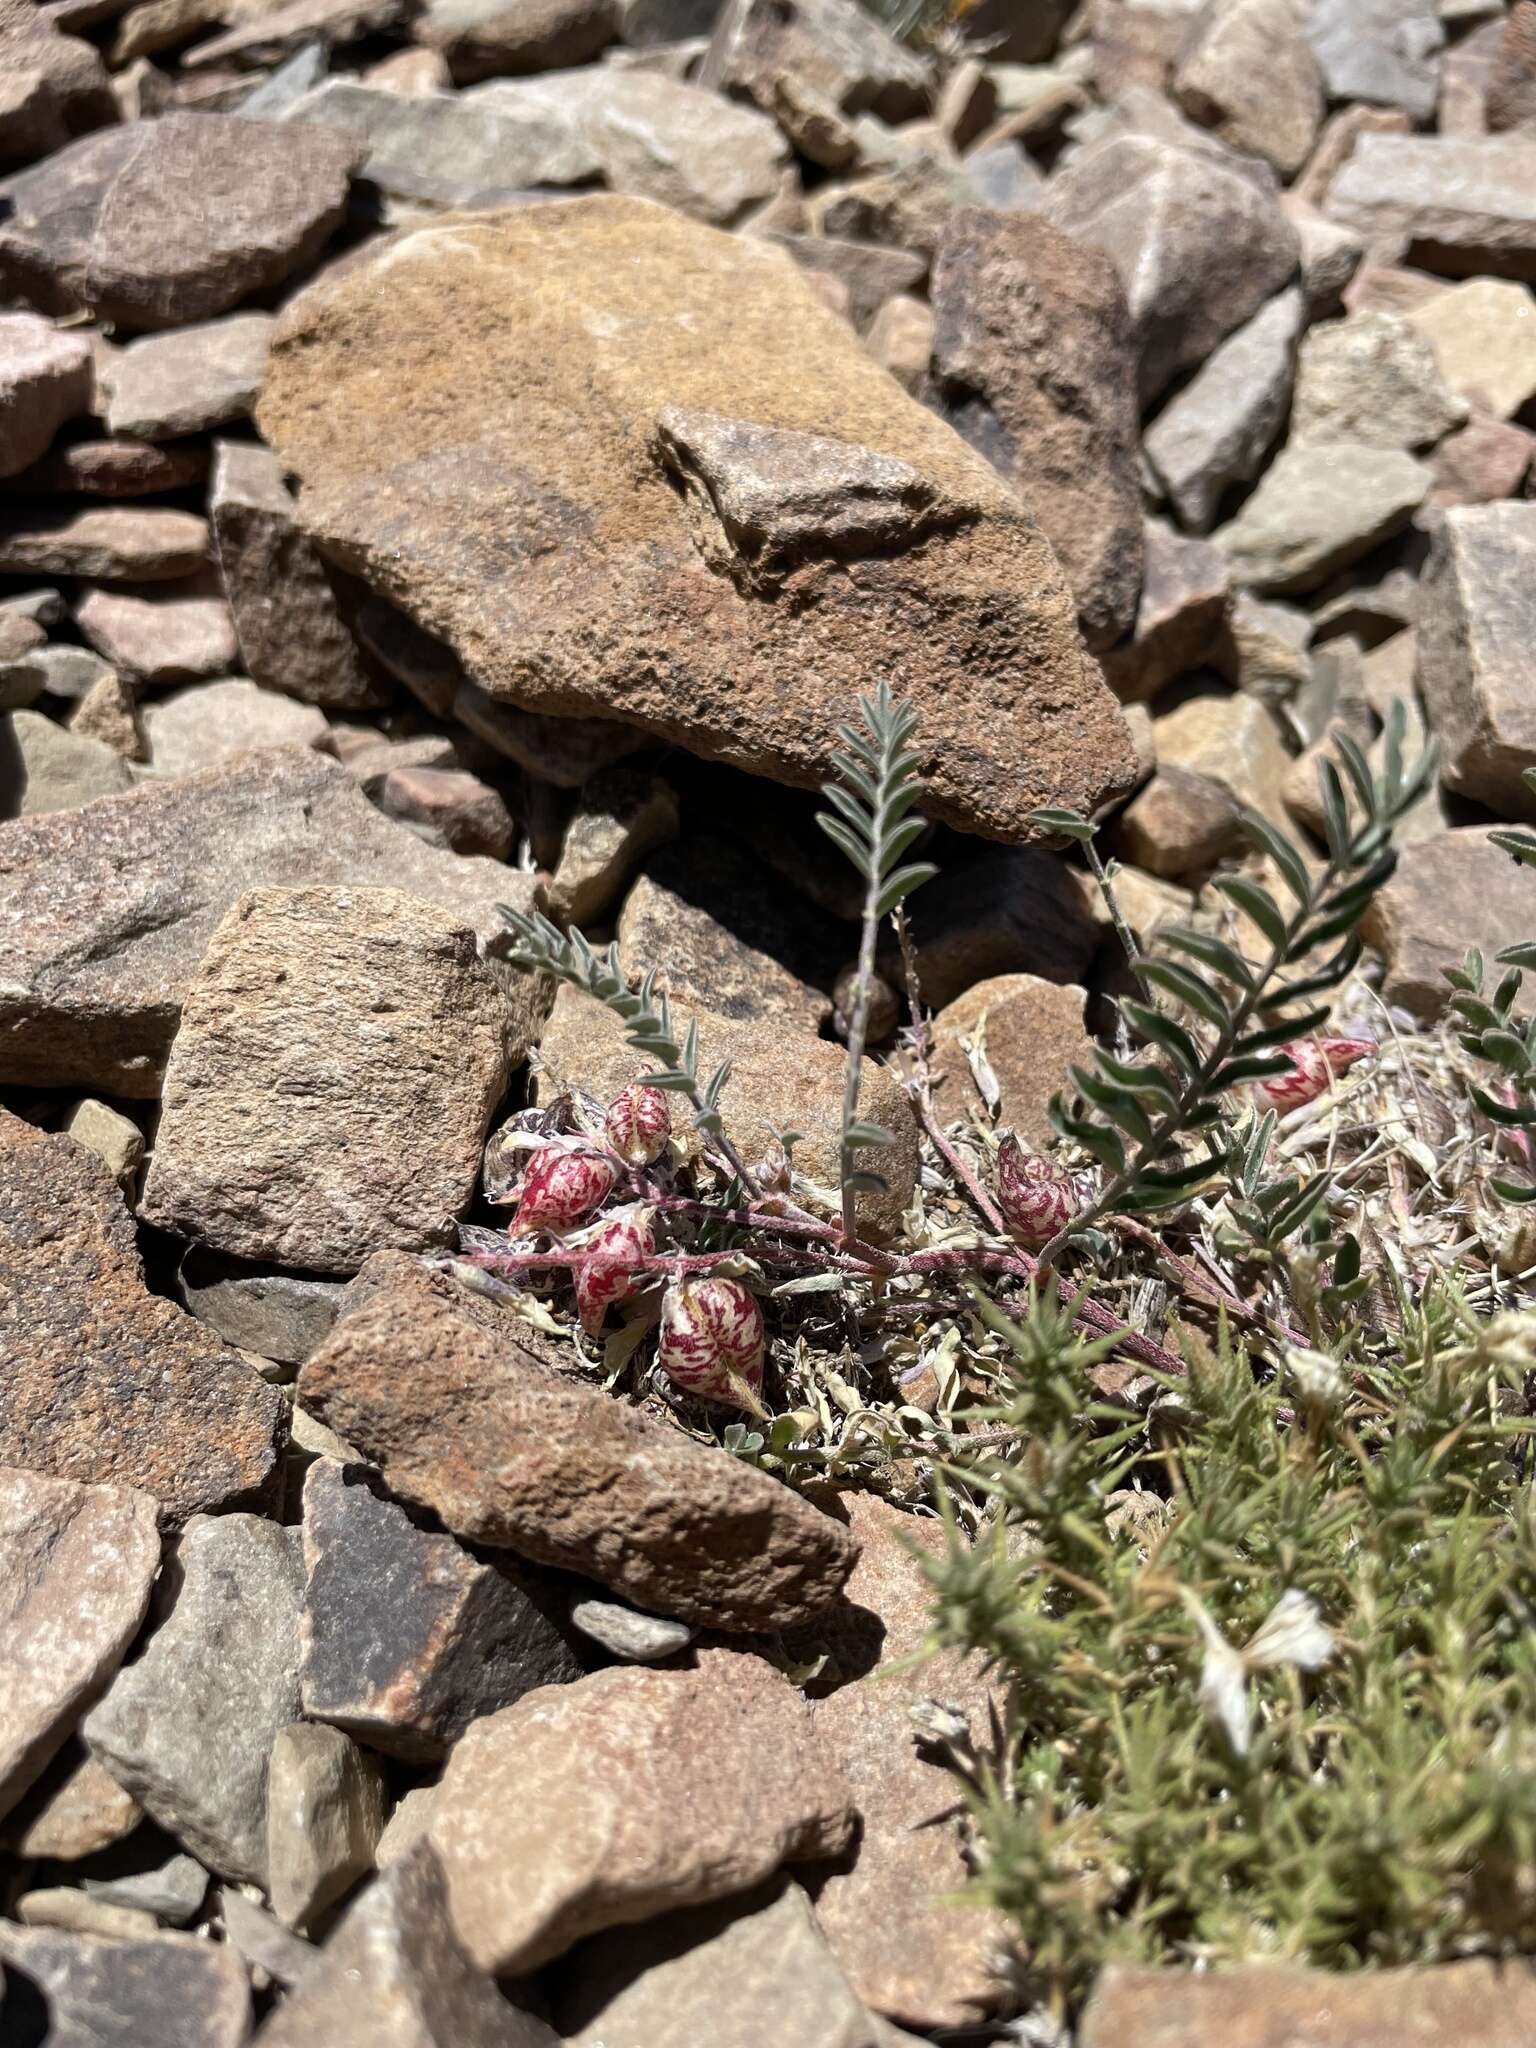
(711, 1340)
(1037, 1197)
(638, 1123)
(611, 1269)
(563, 1186)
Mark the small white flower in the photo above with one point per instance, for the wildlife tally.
(1293, 1632)
(1319, 1378)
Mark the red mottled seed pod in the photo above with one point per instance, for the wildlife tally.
(1314, 1063)
(712, 1335)
(610, 1270)
(638, 1123)
(562, 1187)
(1037, 1197)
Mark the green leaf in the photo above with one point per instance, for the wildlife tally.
(1516, 1116)
(1072, 823)
(1280, 850)
(859, 1133)
(1187, 988)
(1252, 1067)
(1210, 952)
(902, 883)
(1512, 1191)
(1523, 955)
(846, 843)
(1256, 902)
(1156, 1029)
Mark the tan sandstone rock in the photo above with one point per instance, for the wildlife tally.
(707, 543)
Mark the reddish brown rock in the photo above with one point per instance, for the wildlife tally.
(54, 86)
(76, 1565)
(112, 543)
(469, 814)
(105, 914)
(506, 38)
(1450, 892)
(340, 1054)
(176, 633)
(815, 65)
(626, 1795)
(45, 380)
(105, 1382)
(710, 483)
(76, 1808)
(156, 223)
(407, 1636)
(462, 1409)
(1511, 96)
(1033, 364)
(1182, 622)
(114, 469)
(1264, 2005)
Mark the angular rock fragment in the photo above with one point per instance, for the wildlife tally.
(656, 138)
(1385, 52)
(896, 546)
(626, 1633)
(871, 274)
(183, 383)
(1372, 380)
(173, 1893)
(1181, 824)
(448, 150)
(55, 85)
(814, 65)
(53, 769)
(289, 613)
(113, 543)
(159, 636)
(1510, 101)
(407, 1636)
(325, 1813)
(104, 1381)
(1477, 624)
(167, 1991)
(116, 1140)
(754, 1971)
(1169, 217)
(278, 1316)
(621, 815)
(1254, 2004)
(487, 38)
(76, 1808)
(188, 1727)
(1319, 507)
(45, 381)
(1218, 430)
(906, 205)
(72, 1910)
(156, 223)
(1033, 364)
(720, 937)
(339, 1057)
(900, 339)
(461, 809)
(76, 1566)
(109, 712)
(396, 1972)
(464, 1414)
(1182, 622)
(1456, 205)
(1247, 71)
(786, 1080)
(104, 919)
(114, 469)
(211, 722)
(624, 1796)
(1449, 893)
(1488, 460)
(1011, 911)
(1484, 337)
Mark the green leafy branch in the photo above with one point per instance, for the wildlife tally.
(1140, 1109)
(872, 822)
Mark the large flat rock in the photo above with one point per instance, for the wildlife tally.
(106, 911)
(105, 1382)
(577, 442)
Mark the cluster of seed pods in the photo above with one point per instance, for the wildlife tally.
(1315, 1062)
(711, 1340)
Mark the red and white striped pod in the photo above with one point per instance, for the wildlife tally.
(638, 1123)
(1037, 1197)
(610, 1271)
(711, 1332)
(1314, 1063)
(562, 1187)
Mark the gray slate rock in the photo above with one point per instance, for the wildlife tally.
(447, 150)
(815, 66)
(1457, 205)
(407, 1636)
(46, 767)
(325, 1814)
(396, 1972)
(173, 1893)
(188, 381)
(290, 609)
(280, 1316)
(1218, 430)
(1318, 508)
(211, 722)
(1169, 218)
(626, 1632)
(1372, 380)
(188, 1728)
(1477, 627)
(171, 1991)
(1385, 52)
(485, 38)
(104, 916)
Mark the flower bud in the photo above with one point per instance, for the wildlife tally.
(562, 1187)
(638, 1123)
(1314, 1063)
(611, 1269)
(1037, 1197)
(711, 1341)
